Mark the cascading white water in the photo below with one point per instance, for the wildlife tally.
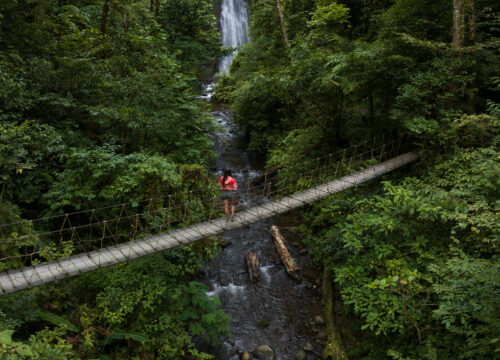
(234, 28)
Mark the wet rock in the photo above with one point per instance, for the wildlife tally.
(322, 335)
(264, 352)
(301, 355)
(245, 355)
(231, 342)
(319, 320)
(235, 357)
(307, 346)
(303, 251)
(224, 243)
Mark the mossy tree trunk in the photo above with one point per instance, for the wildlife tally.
(333, 349)
(281, 18)
(458, 24)
(104, 15)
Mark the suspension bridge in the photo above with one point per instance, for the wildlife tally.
(97, 238)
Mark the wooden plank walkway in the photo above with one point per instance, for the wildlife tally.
(16, 280)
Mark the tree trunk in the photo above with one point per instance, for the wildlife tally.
(372, 116)
(252, 266)
(472, 21)
(333, 349)
(458, 24)
(279, 244)
(457, 43)
(282, 24)
(157, 8)
(471, 99)
(151, 5)
(125, 22)
(104, 15)
(338, 121)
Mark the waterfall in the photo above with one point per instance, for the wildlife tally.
(234, 28)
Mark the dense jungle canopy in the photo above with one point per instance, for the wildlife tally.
(99, 105)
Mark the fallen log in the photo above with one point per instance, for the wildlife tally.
(252, 266)
(279, 244)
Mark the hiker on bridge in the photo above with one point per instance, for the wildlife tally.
(228, 187)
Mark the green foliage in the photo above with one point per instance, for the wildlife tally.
(192, 33)
(27, 150)
(12, 349)
(426, 20)
(356, 70)
(411, 260)
(421, 256)
(98, 106)
(103, 176)
(146, 297)
(147, 306)
(329, 17)
(45, 345)
(122, 92)
(467, 291)
(223, 90)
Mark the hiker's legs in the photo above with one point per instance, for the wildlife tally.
(232, 208)
(226, 208)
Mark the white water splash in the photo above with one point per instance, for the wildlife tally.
(231, 288)
(265, 271)
(207, 92)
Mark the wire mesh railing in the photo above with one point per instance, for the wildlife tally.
(90, 230)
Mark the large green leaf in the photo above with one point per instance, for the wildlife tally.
(6, 337)
(59, 321)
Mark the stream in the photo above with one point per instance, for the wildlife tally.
(277, 311)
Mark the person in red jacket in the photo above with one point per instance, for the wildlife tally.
(228, 190)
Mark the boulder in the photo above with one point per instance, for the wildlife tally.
(245, 355)
(307, 346)
(319, 320)
(264, 352)
(224, 243)
(301, 355)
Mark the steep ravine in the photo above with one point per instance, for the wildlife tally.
(278, 311)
